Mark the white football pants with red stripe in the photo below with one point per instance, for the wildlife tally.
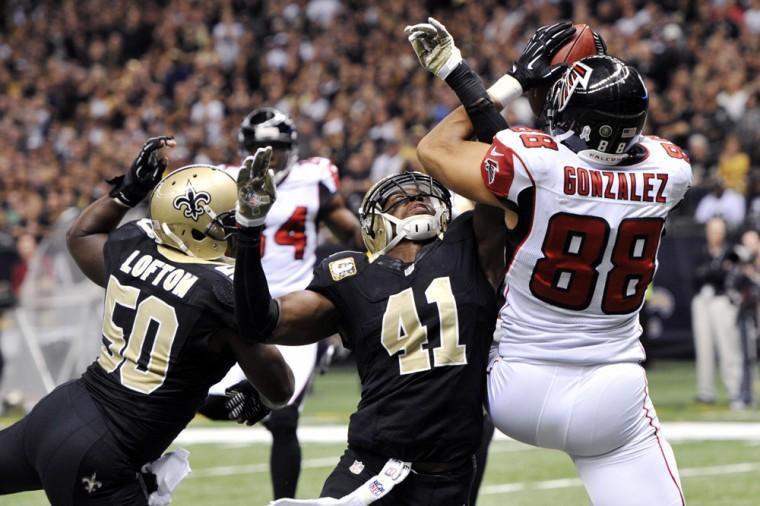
(600, 415)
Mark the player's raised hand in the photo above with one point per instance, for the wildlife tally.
(256, 189)
(434, 47)
(146, 171)
(534, 67)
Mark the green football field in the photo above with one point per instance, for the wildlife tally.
(713, 472)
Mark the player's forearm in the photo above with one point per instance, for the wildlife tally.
(89, 233)
(442, 142)
(255, 310)
(100, 217)
(486, 119)
(305, 317)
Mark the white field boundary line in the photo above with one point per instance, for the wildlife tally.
(689, 472)
(336, 434)
(505, 488)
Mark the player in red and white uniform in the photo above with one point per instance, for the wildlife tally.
(591, 200)
(307, 195)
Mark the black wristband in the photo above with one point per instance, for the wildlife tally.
(250, 236)
(467, 85)
(486, 120)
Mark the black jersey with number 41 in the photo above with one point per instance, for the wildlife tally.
(156, 362)
(420, 333)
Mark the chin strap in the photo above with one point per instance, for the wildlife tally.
(177, 241)
(414, 228)
(592, 155)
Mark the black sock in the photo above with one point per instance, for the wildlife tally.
(285, 459)
(481, 456)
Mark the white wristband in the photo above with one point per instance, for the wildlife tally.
(450, 65)
(505, 90)
(249, 222)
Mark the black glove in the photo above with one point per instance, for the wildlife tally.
(144, 174)
(533, 68)
(244, 404)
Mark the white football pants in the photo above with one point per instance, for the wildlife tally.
(301, 359)
(600, 415)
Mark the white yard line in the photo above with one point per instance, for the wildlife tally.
(504, 488)
(689, 472)
(260, 468)
(336, 434)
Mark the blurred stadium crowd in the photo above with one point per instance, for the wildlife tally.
(85, 82)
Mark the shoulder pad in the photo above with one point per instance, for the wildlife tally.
(319, 169)
(133, 230)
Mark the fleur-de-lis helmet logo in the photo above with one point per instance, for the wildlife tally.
(192, 202)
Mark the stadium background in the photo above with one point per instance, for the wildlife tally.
(85, 82)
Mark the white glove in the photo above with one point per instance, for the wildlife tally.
(434, 46)
(170, 469)
(256, 189)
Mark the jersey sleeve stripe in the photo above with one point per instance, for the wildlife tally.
(497, 169)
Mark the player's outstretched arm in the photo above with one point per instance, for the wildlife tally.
(297, 318)
(264, 368)
(437, 53)
(89, 232)
(300, 317)
(445, 151)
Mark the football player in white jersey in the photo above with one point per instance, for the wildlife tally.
(307, 195)
(590, 200)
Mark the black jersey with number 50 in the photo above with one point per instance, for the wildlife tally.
(420, 333)
(156, 363)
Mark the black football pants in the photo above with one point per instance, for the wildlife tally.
(64, 447)
(356, 466)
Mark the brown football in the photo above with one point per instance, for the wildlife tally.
(581, 45)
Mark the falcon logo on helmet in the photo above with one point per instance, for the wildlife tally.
(192, 201)
(577, 75)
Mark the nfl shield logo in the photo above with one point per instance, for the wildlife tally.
(357, 467)
(376, 489)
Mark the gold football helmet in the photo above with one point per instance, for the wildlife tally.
(381, 231)
(193, 210)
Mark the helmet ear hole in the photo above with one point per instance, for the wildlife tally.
(197, 235)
